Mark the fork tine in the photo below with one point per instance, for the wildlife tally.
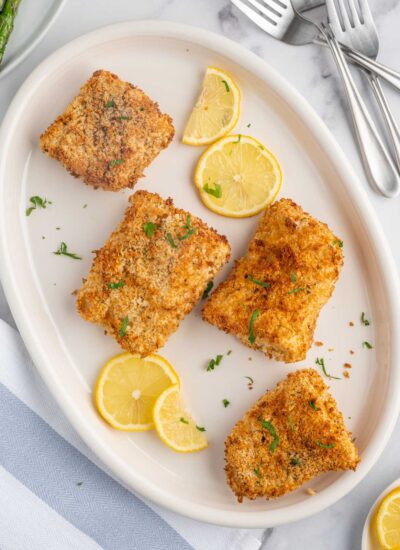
(334, 15)
(354, 12)
(365, 11)
(265, 9)
(345, 15)
(262, 22)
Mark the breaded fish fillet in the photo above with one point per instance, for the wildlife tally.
(272, 298)
(109, 133)
(150, 273)
(292, 434)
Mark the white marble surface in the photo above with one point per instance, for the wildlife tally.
(311, 71)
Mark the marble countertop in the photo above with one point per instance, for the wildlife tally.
(312, 72)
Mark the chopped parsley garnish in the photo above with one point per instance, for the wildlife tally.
(207, 290)
(249, 124)
(367, 345)
(37, 202)
(200, 428)
(313, 405)
(229, 352)
(338, 242)
(142, 109)
(268, 426)
(124, 325)
(294, 279)
(257, 472)
(171, 240)
(150, 228)
(213, 362)
(123, 118)
(295, 461)
(257, 282)
(253, 317)
(296, 290)
(110, 103)
(320, 361)
(291, 423)
(261, 147)
(238, 139)
(84, 206)
(225, 403)
(324, 446)
(120, 284)
(63, 251)
(183, 420)
(115, 162)
(249, 378)
(190, 230)
(215, 192)
(226, 86)
(364, 320)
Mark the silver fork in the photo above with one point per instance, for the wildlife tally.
(264, 15)
(354, 26)
(282, 21)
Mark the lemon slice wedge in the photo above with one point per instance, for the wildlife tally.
(216, 111)
(175, 425)
(387, 521)
(128, 387)
(238, 177)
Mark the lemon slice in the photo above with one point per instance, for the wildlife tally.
(387, 521)
(216, 111)
(128, 387)
(238, 177)
(174, 424)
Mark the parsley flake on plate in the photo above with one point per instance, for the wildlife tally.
(63, 251)
(37, 202)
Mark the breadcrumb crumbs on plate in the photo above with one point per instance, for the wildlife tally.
(346, 374)
(347, 365)
(311, 492)
(351, 324)
(318, 344)
(330, 349)
(351, 352)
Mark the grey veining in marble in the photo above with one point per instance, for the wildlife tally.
(311, 70)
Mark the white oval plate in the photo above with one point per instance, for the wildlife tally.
(369, 538)
(168, 61)
(32, 23)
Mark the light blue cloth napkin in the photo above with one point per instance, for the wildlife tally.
(54, 493)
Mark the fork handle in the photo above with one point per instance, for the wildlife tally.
(387, 115)
(379, 166)
(390, 75)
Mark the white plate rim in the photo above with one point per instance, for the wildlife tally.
(41, 32)
(262, 70)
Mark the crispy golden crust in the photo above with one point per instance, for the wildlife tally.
(161, 283)
(300, 258)
(109, 133)
(305, 417)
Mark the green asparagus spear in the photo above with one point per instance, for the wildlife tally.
(7, 17)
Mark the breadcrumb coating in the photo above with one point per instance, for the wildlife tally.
(158, 275)
(109, 133)
(291, 435)
(279, 287)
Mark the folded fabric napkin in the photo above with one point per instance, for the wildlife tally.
(55, 494)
